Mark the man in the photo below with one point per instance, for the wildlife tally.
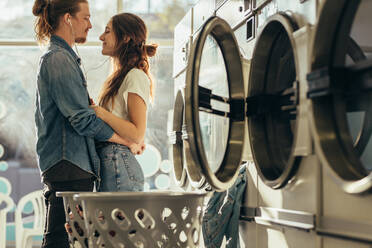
(66, 126)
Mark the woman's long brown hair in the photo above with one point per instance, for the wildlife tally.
(128, 54)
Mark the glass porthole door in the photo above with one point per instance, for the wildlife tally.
(340, 89)
(272, 102)
(214, 107)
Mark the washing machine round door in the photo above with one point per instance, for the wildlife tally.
(272, 102)
(176, 140)
(340, 90)
(214, 107)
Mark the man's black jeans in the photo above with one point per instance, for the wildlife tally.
(55, 235)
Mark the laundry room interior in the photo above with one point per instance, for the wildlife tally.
(253, 128)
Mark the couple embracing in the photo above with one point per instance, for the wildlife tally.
(81, 144)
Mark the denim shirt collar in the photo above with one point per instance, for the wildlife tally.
(56, 40)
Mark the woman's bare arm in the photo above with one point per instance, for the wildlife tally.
(133, 130)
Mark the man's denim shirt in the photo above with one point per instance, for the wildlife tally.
(66, 126)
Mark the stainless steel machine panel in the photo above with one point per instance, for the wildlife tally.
(232, 12)
(180, 57)
(329, 242)
(307, 11)
(260, 3)
(282, 55)
(179, 83)
(202, 11)
(246, 37)
(182, 43)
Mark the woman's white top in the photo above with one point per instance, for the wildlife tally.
(136, 81)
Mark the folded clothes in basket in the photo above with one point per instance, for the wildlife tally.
(221, 217)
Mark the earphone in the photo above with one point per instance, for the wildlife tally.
(77, 51)
(72, 29)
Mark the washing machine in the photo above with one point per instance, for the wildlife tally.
(282, 196)
(182, 44)
(213, 105)
(186, 168)
(200, 142)
(215, 133)
(339, 87)
(278, 125)
(241, 17)
(245, 100)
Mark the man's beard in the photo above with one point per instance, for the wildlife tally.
(80, 40)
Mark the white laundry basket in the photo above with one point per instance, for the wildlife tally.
(143, 219)
(74, 217)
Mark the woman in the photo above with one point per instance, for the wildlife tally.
(124, 100)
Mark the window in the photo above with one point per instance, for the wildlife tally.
(16, 20)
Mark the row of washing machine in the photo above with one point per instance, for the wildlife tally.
(284, 87)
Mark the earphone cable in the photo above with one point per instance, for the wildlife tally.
(82, 64)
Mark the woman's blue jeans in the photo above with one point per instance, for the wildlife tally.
(120, 170)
